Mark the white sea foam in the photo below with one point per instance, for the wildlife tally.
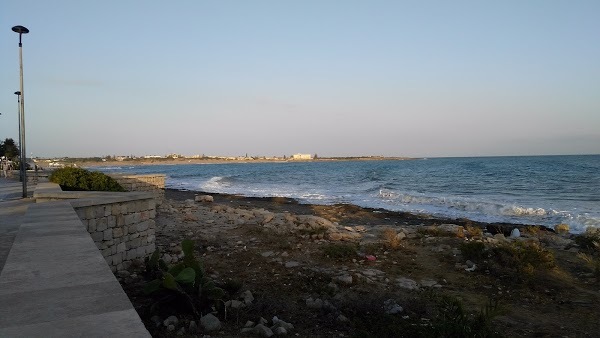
(216, 184)
(515, 210)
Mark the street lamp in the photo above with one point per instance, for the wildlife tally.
(18, 93)
(22, 30)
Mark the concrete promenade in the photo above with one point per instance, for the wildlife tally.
(54, 282)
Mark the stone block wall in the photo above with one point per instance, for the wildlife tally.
(154, 183)
(123, 231)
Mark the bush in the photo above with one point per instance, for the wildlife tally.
(76, 179)
(340, 251)
(472, 250)
(523, 257)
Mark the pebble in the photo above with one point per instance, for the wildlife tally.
(193, 326)
(210, 322)
(346, 279)
(263, 331)
(407, 283)
(314, 303)
(291, 264)
(280, 331)
(267, 254)
(171, 320)
(247, 296)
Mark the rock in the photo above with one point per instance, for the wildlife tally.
(428, 283)
(515, 233)
(407, 283)
(171, 328)
(314, 304)
(291, 264)
(342, 319)
(156, 320)
(267, 254)
(246, 330)
(278, 322)
(391, 307)
(262, 321)
(346, 279)
(280, 331)
(247, 296)
(249, 324)
(561, 228)
(263, 331)
(123, 273)
(204, 198)
(210, 323)
(171, 320)
(236, 304)
(500, 237)
(400, 236)
(193, 327)
(334, 236)
(469, 264)
(181, 331)
(372, 272)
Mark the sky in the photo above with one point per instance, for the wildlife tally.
(331, 77)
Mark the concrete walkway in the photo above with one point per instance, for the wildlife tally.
(12, 210)
(54, 282)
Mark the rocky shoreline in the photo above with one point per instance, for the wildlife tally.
(341, 270)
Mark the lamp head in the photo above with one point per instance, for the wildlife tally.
(17, 93)
(20, 30)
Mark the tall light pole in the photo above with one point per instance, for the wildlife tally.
(18, 93)
(22, 30)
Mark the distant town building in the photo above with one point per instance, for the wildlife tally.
(302, 157)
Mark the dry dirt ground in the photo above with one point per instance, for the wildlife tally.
(398, 275)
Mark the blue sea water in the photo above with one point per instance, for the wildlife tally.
(542, 190)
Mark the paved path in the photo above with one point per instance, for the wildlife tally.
(12, 209)
(53, 280)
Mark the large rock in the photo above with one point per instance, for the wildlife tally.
(204, 198)
(561, 228)
(210, 323)
(407, 283)
(263, 331)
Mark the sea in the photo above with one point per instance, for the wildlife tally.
(534, 190)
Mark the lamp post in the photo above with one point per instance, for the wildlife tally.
(22, 30)
(18, 93)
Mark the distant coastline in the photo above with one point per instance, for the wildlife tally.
(98, 162)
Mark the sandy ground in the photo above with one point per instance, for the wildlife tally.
(394, 259)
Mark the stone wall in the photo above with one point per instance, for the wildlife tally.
(154, 183)
(120, 223)
(123, 231)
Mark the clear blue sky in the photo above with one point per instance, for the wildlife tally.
(336, 78)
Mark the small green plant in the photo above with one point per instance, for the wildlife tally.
(77, 179)
(454, 321)
(340, 251)
(472, 250)
(184, 282)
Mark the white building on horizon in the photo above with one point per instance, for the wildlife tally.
(302, 157)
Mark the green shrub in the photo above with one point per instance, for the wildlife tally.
(524, 257)
(340, 251)
(472, 250)
(76, 179)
